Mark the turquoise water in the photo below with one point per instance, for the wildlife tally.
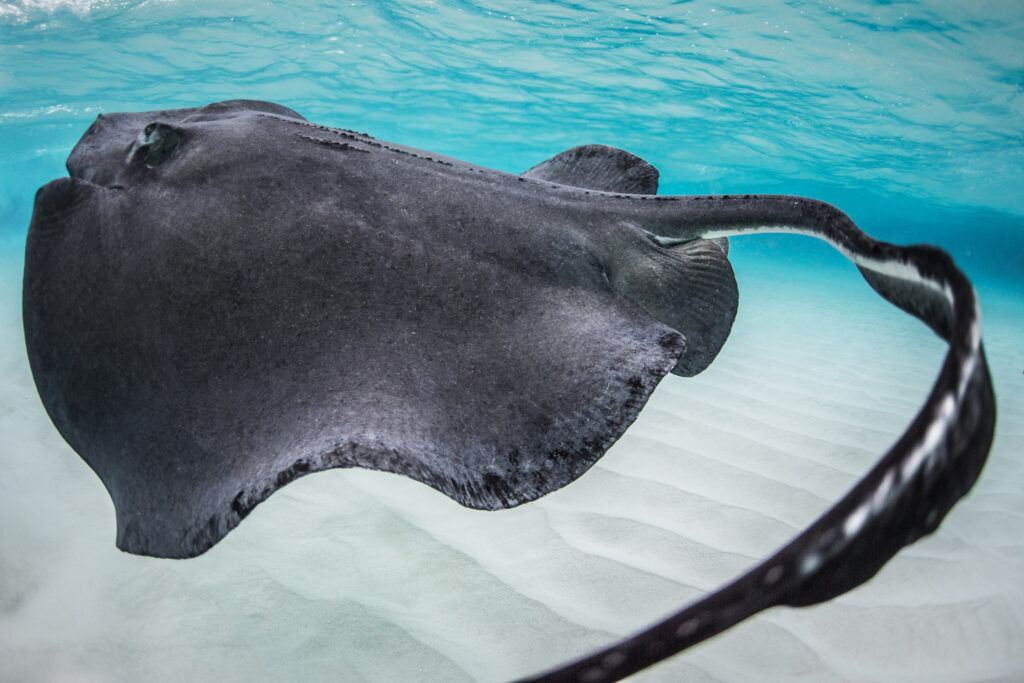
(909, 116)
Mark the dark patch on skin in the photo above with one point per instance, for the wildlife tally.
(162, 140)
(240, 506)
(344, 146)
(299, 467)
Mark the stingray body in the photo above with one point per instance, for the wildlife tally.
(221, 299)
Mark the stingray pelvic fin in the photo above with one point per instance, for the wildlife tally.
(688, 286)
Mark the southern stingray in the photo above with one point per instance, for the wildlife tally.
(221, 299)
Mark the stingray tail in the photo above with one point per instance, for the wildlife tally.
(907, 493)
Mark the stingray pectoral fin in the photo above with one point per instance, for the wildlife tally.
(905, 495)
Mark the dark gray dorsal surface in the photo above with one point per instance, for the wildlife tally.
(274, 298)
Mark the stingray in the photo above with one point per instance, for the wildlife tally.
(218, 300)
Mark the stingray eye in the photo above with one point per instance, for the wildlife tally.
(156, 142)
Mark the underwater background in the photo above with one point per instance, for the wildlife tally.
(909, 116)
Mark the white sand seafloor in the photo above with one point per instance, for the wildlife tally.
(364, 576)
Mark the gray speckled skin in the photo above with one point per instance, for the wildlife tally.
(221, 299)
